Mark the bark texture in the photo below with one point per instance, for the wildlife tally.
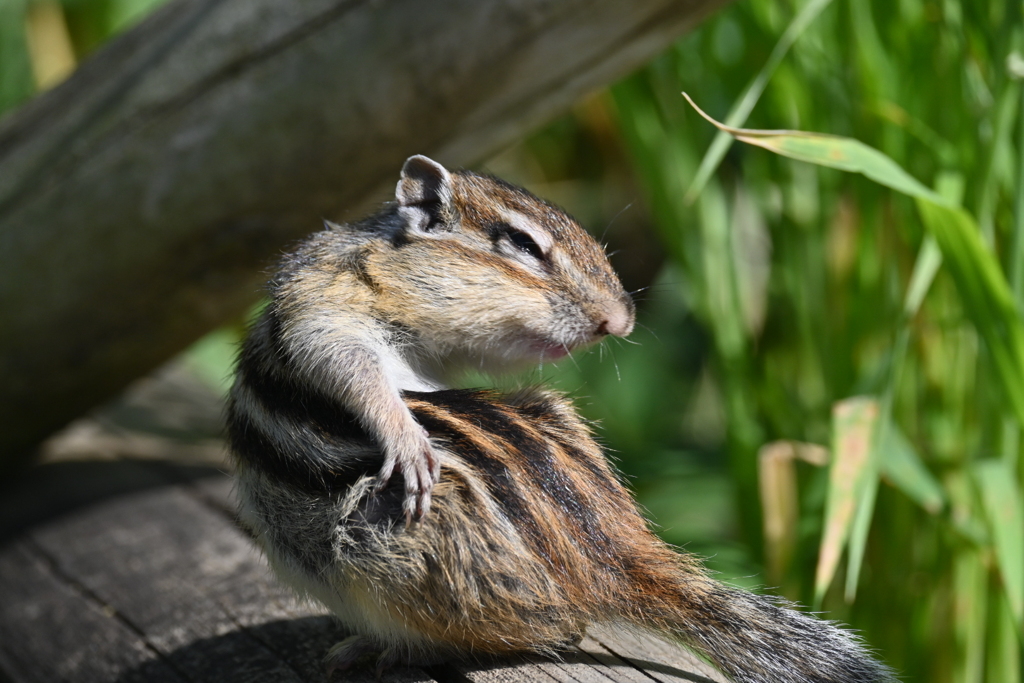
(156, 584)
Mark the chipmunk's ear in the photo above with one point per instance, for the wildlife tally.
(424, 194)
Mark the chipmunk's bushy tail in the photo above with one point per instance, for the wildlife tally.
(759, 639)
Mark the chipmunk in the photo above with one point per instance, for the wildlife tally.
(437, 522)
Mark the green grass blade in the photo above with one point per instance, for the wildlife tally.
(861, 526)
(1001, 499)
(779, 505)
(887, 451)
(777, 482)
(985, 293)
(929, 259)
(723, 302)
(1004, 643)
(1005, 112)
(898, 462)
(890, 451)
(751, 94)
(1015, 271)
(850, 472)
(833, 151)
(1016, 268)
(902, 467)
(970, 603)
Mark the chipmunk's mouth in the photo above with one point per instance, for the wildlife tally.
(546, 349)
(554, 351)
(550, 350)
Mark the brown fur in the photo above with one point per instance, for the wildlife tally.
(531, 538)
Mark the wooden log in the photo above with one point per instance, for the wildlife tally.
(141, 199)
(160, 585)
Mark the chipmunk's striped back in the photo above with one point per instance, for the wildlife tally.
(531, 537)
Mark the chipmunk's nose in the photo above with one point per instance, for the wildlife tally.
(617, 320)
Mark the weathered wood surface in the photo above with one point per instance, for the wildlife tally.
(157, 584)
(141, 200)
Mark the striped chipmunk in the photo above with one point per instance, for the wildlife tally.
(440, 523)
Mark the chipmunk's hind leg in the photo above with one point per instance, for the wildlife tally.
(343, 655)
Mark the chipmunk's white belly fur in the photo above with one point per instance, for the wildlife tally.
(358, 606)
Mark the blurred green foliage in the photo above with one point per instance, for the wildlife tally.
(935, 86)
(83, 25)
(782, 290)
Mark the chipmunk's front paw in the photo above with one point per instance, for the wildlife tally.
(420, 468)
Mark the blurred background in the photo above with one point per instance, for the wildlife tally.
(776, 293)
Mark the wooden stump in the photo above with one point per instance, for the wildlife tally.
(141, 574)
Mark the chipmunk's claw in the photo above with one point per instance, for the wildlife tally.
(417, 498)
(384, 476)
(420, 468)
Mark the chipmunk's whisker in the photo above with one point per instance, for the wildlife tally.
(612, 221)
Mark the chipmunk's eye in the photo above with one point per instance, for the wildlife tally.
(526, 243)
